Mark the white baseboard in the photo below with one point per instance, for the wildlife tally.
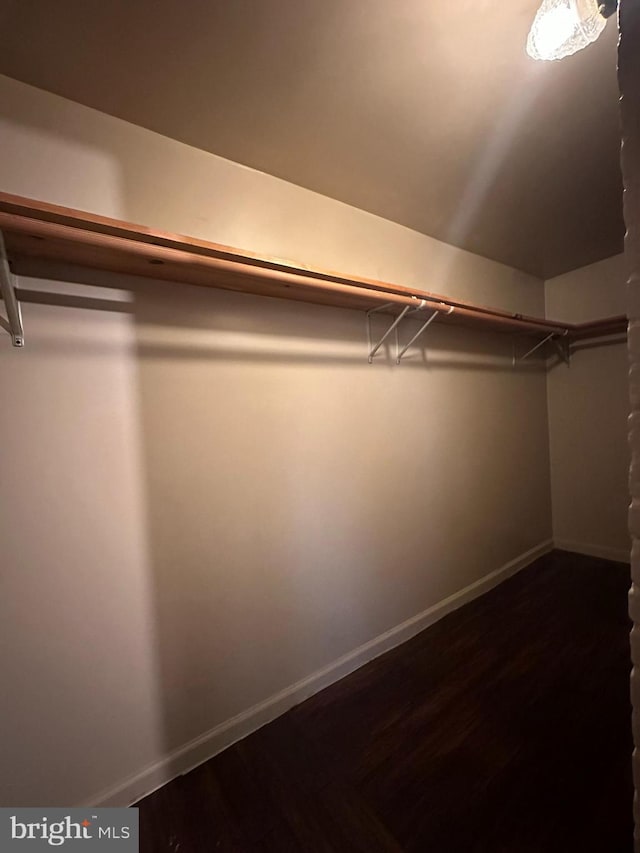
(229, 732)
(618, 555)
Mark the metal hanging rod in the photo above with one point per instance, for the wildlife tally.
(13, 322)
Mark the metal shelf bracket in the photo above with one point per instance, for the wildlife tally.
(13, 321)
(533, 349)
(560, 342)
(563, 348)
(408, 310)
(373, 350)
(422, 328)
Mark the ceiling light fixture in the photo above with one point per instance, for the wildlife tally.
(563, 27)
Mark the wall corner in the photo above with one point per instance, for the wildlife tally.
(629, 80)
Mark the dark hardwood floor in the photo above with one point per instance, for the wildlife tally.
(503, 728)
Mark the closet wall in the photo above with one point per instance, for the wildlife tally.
(208, 497)
(588, 410)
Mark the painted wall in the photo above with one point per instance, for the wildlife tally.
(588, 410)
(629, 77)
(207, 497)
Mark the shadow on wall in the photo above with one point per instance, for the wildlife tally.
(301, 500)
(295, 510)
(247, 327)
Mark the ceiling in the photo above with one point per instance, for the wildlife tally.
(428, 114)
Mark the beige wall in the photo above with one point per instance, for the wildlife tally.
(588, 409)
(207, 496)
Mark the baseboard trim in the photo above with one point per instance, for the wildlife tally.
(618, 555)
(229, 732)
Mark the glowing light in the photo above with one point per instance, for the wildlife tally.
(562, 27)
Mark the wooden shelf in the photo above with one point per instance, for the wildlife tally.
(34, 229)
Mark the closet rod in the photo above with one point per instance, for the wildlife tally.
(37, 229)
(599, 328)
(157, 256)
(33, 209)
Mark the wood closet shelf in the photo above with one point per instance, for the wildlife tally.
(35, 229)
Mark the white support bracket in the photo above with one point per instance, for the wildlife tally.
(422, 328)
(373, 350)
(533, 349)
(13, 321)
(407, 310)
(563, 348)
